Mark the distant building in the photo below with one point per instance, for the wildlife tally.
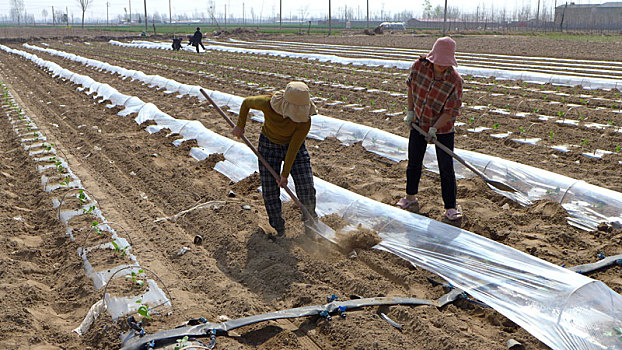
(589, 16)
(452, 24)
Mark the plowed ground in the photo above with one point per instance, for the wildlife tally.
(238, 271)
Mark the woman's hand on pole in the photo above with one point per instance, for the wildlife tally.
(283, 181)
(237, 131)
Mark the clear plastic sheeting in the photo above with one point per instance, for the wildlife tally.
(527, 76)
(587, 206)
(117, 306)
(563, 309)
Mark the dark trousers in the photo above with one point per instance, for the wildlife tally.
(416, 150)
(301, 173)
(197, 45)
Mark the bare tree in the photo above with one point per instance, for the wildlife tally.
(44, 14)
(84, 4)
(17, 10)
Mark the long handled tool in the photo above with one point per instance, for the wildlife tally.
(497, 184)
(310, 221)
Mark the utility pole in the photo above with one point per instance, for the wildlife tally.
(53, 17)
(170, 13)
(243, 15)
(330, 22)
(280, 14)
(367, 14)
(445, 19)
(130, 11)
(107, 6)
(67, 14)
(146, 28)
(225, 16)
(538, 14)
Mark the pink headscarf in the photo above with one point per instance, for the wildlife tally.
(443, 52)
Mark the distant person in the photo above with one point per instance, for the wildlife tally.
(434, 101)
(196, 39)
(176, 44)
(287, 121)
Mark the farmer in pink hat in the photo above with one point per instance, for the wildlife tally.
(287, 121)
(434, 101)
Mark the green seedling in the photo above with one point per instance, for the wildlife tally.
(551, 135)
(521, 130)
(560, 113)
(611, 122)
(536, 110)
(584, 142)
(471, 120)
(581, 117)
(95, 227)
(59, 166)
(81, 196)
(563, 99)
(66, 181)
(496, 126)
(371, 102)
(181, 343)
(143, 309)
(48, 147)
(507, 107)
(135, 279)
(544, 97)
(88, 210)
(555, 191)
(618, 147)
(118, 250)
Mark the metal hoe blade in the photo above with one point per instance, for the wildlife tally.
(496, 184)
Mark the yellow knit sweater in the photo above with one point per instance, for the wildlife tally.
(277, 128)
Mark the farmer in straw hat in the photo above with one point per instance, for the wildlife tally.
(287, 120)
(434, 101)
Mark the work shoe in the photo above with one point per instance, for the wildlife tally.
(408, 204)
(453, 214)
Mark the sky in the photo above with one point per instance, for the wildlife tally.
(266, 8)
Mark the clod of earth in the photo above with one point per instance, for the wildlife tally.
(361, 238)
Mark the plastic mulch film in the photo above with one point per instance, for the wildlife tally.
(587, 205)
(563, 309)
(116, 306)
(527, 76)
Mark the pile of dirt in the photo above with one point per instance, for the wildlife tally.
(549, 211)
(210, 162)
(361, 238)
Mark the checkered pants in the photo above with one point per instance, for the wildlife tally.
(301, 172)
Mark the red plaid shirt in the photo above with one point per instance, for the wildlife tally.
(434, 97)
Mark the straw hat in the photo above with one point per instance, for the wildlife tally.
(443, 52)
(294, 102)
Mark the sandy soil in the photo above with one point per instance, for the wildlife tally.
(238, 271)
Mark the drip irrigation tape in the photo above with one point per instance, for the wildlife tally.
(390, 321)
(207, 329)
(587, 268)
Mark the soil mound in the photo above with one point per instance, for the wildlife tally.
(361, 238)
(549, 210)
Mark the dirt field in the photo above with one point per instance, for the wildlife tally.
(238, 271)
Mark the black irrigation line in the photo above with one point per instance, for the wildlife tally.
(200, 328)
